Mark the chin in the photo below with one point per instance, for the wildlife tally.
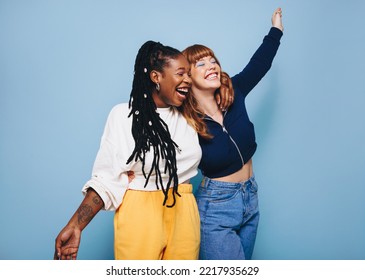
(214, 85)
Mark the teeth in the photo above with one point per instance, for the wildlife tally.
(182, 91)
(211, 76)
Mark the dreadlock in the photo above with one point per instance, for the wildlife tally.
(148, 129)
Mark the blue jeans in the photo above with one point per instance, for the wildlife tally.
(229, 216)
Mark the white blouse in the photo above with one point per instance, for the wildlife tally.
(109, 175)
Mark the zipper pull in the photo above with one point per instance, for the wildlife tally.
(224, 129)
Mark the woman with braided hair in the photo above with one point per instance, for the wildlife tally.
(147, 155)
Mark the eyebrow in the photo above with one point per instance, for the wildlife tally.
(180, 68)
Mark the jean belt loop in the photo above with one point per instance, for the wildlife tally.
(206, 182)
(203, 182)
(251, 181)
(246, 184)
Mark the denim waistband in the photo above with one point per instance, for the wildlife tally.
(211, 183)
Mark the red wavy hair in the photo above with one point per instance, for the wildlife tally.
(190, 108)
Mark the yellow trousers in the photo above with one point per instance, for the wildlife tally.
(144, 229)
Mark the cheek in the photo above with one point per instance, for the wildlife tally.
(168, 92)
(197, 76)
(196, 72)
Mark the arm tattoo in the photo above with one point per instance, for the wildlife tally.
(97, 200)
(85, 214)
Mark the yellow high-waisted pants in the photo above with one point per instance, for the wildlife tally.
(144, 229)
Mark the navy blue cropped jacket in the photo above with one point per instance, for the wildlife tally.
(234, 143)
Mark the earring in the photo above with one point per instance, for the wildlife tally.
(158, 87)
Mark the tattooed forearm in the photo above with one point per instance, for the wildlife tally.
(89, 208)
(97, 200)
(84, 214)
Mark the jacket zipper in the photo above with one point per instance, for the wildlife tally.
(225, 130)
(235, 144)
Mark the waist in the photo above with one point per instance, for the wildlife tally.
(215, 184)
(185, 187)
(245, 173)
(225, 160)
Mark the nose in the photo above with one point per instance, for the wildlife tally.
(211, 65)
(187, 79)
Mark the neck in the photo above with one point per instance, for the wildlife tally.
(157, 100)
(206, 101)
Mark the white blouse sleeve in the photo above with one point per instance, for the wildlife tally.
(109, 175)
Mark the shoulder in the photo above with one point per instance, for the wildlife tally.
(118, 115)
(121, 108)
(119, 111)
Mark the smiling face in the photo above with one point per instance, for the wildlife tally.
(205, 74)
(174, 82)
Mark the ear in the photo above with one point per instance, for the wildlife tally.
(155, 76)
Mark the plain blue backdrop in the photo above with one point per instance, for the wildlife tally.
(65, 64)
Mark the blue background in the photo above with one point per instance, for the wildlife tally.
(65, 64)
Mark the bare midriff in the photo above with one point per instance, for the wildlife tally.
(239, 176)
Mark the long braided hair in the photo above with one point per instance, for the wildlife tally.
(148, 129)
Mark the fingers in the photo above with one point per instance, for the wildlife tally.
(67, 258)
(71, 257)
(57, 251)
(67, 245)
(276, 19)
(65, 255)
(56, 255)
(131, 176)
(278, 13)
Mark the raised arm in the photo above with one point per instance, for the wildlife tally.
(261, 61)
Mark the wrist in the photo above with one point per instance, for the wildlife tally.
(280, 27)
(275, 33)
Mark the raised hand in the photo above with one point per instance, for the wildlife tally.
(276, 19)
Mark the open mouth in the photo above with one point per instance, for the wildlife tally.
(211, 76)
(183, 91)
